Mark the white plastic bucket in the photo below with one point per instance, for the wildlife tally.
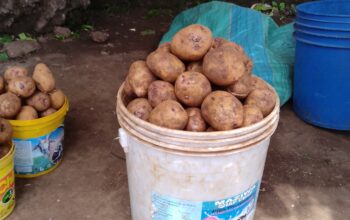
(180, 175)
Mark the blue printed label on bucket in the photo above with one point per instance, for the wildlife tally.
(238, 207)
(36, 155)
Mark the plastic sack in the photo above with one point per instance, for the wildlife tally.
(269, 46)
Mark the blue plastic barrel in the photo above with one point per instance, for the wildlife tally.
(322, 83)
(323, 40)
(323, 24)
(320, 31)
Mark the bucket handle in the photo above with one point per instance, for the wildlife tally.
(123, 139)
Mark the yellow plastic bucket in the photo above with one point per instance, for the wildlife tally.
(7, 184)
(39, 143)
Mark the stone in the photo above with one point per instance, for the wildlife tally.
(62, 31)
(99, 36)
(21, 47)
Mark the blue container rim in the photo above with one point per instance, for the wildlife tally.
(311, 8)
(320, 35)
(323, 21)
(319, 44)
(321, 27)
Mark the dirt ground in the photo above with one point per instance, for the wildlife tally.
(307, 172)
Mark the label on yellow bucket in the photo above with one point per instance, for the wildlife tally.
(36, 155)
(7, 194)
(234, 208)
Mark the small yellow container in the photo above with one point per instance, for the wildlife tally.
(39, 143)
(7, 184)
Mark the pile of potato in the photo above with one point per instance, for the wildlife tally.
(24, 97)
(5, 137)
(197, 83)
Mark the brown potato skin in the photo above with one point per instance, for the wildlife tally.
(14, 71)
(264, 99)
(242, 87)
(140, 107)
(27, 113)
(5, 131)
(10, 105)
(258, 83)
(2, 84)
(165, 65)
(4, 149)
(192, 42)
(165, 47)
(40, 101)
(169, 114)
(57, 99)
(140, 77)
(23, 86)
(48, 112)
(252, 115)
(43, 78)
(211, 129)
(195, 120)
(191, 88)
(195, 66)
(222, 111)
(160, 91)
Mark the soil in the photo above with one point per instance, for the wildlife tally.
(307, 168)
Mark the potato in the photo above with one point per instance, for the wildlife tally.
(264, 99)
(195, 120)
(191, 88)
(23, 86)
(2, 84)
(211, 129)
(160, 91)
(5, 131)
(140, 107)
(14, 71)
(27, 113)
(57, 99)
(222, 111)
(10, 105)
(4, 149)
(258, 83)
(48, 112)
(224, 66)
(242, 87)
(165, 47)
(195, 66)
(252, 115)
(165, 65)
(40, 101)
(139, 78)
(43, 78)
(192, 42)
(169, 114)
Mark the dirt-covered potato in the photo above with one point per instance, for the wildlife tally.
(258, 83)
(27, 113)
(224, 65)
(169, 114)
(57, 99)
(140, 107)
(160, 91)
(5, 131)
(10, 105)
(242, 87)
(195, 120)
(4, 149)
(48, 112)
(40, 101)
(140, 77)
(264, 99)
(252, 115)
(195, 66)
(165, 65)
(14, 71)
(164, 47)
(191, 88)
(43, 78)
(2, 84)
(23, 86)
(222, 111)
(192, 42)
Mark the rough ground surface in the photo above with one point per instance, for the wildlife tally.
(307, 169)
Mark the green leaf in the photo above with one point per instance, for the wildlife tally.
(274, 4)
(152, 12)
(59, 37)
(87, 27)
(5, 39)
(3, 56)
(76, 35)
(282, 6)
(24, 36)
(148, 32)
